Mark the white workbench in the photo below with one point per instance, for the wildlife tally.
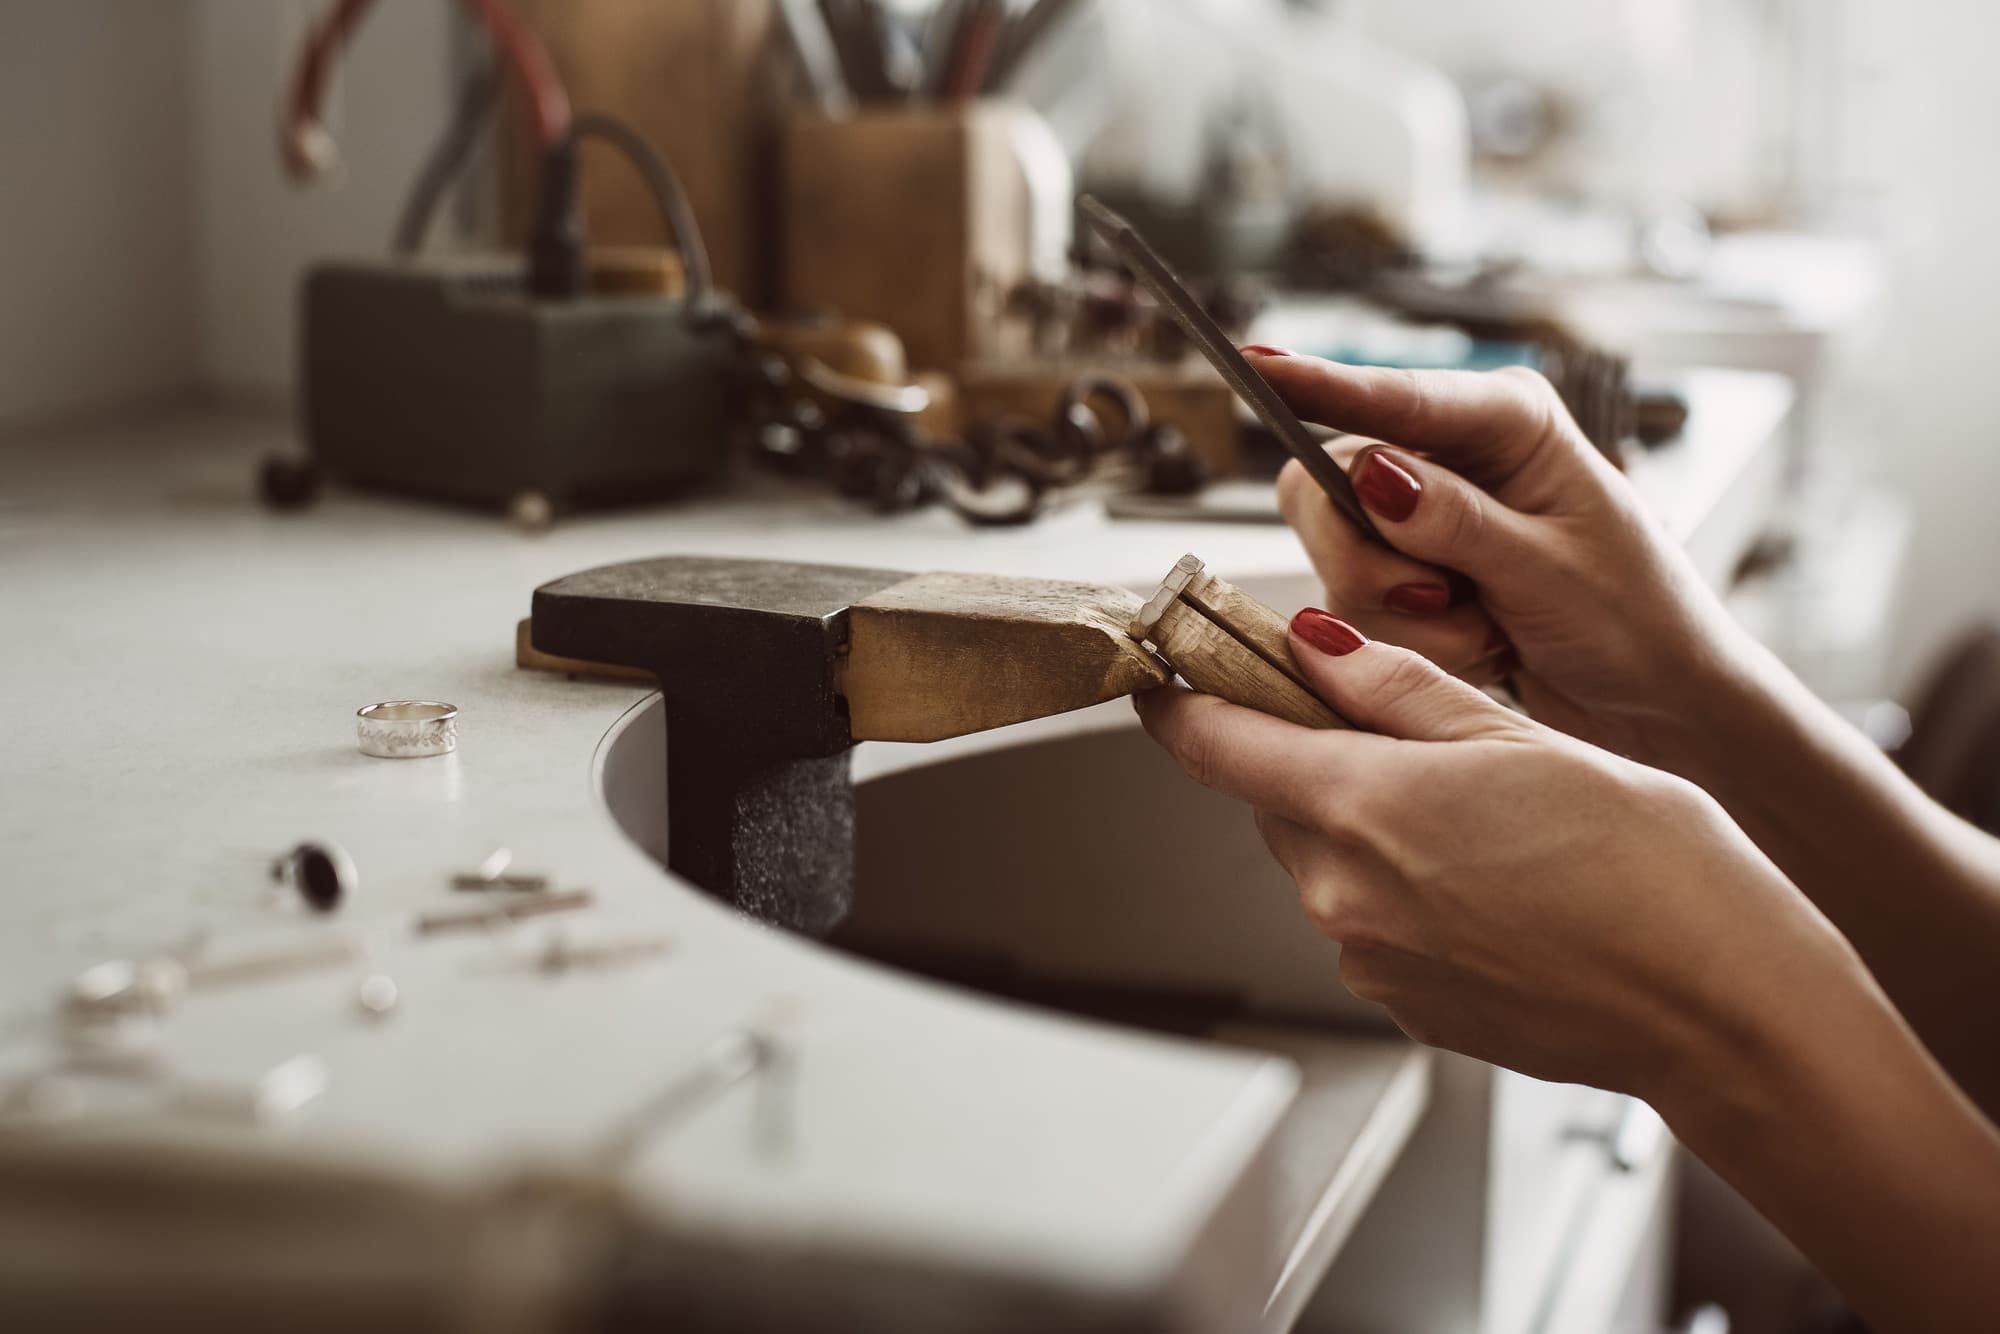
(181, 673)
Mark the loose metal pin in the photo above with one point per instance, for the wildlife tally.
(492, 874)
(730, 1059)
(560, 954)
(514, 910)
(118, 989)
(59, 1093)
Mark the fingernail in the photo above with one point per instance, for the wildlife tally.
(1418, 599)
(1386, 488)
(1327, 633)
(1266, 350)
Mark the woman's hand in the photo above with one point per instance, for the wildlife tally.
(1594, 615)
(1620, 643)
(1503, 890)
(1514, 894)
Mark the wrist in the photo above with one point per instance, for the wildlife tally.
(1810, 1050)
(1739, 1088)
(1833, 1121)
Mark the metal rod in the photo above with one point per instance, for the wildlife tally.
(528, 905)
(1202, 330)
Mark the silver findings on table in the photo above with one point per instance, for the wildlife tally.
(502, 914)
(279, 1092)
(377, 997)
(272, 963)
(407, 729)
(559, 954)
(121, 989)
(732, 1058)
(70, 1091)
(493, 874)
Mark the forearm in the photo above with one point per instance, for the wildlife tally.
(1849, 1138)
(1914, 888)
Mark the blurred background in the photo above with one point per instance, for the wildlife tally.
(1798, 184)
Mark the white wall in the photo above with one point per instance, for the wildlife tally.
(1939, 439)
(96, 297)
(1922, 413)
(257, 233)
(148, 245)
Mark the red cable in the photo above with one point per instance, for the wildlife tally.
(303, 143)
(532, 67)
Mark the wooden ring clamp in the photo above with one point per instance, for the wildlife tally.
(1225, 643)
(771, 672)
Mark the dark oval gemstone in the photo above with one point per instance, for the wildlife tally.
(320, 876)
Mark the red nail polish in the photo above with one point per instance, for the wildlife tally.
(1266, 350)
(1385, 488)
(1418, 599)
(1327, 633)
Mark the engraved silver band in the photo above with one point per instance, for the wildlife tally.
(407, 729)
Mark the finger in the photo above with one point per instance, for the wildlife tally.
(1358, 573)
(1484, 423)
(1462, 640)
(1429, 512)
(1271, 764)
(1388, 690)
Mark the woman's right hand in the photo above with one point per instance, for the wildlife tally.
(1603, 628)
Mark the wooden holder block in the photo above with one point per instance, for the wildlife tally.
(944, 655)
(917, 218)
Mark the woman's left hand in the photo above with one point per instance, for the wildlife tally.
(1507, 891)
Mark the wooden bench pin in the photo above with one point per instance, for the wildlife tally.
(1225, 643)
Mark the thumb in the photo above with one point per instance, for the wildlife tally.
(1429, 512)
(1388, 690)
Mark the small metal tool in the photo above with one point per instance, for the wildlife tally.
(528, 905)
(805, 26)
(1254, 389)
(119, 989)
(493, 873)
(560, 954)
(730, 1059)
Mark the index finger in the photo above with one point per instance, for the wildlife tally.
(1273, 765)
(1477, 422)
